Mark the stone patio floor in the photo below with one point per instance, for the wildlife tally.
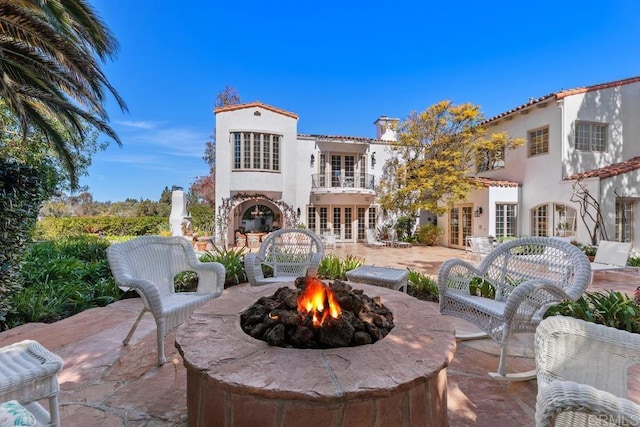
(105, 383)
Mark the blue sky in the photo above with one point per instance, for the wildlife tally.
(339, 65)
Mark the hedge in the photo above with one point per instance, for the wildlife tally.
(54, 228)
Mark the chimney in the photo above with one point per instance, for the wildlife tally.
(386, 128)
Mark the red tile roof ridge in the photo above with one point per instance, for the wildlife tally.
(492, 182)
(341, 137)
(255, 104)
(563, 94)
(569, 92)
(608, 171)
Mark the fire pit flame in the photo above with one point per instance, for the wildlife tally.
(318, 301)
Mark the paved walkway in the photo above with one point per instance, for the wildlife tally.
(107, 384)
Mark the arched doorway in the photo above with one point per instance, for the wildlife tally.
(259, 218)
(233, 209)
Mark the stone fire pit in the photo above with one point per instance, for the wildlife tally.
(233, 379)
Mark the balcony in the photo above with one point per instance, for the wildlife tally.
(357, 183)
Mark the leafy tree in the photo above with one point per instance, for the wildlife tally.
(49, 78)
(204, 188)
(37, 150)
(23, 188)
(165, 196)
(434, 155)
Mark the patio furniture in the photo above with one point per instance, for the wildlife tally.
(392, 278)
(610, 256)
(149, 264)
(253, 240)
(528, 275)
(372, 240)
(28, 373)
(241, 239)
(329, 240)
(582, 373)
(288, 252)
(480, 246)
(393, 240)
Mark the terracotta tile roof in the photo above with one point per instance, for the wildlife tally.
(563, 94)
(256, 104)
(608, 171)
(341, 138)
(490, 182)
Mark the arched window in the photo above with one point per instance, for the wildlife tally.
(553, 219)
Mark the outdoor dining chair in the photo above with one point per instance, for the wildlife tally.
(480, 246)
(510, 291)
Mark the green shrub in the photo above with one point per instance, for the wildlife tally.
(429, 234)
(404, 226)
(186, 281)
(202, 218)
(333, 267)
(53, 228)
(610, 308)
(633, 261)
(62, 278)
(482, 287)
(233, 261)
(23, 188)
(422, 287)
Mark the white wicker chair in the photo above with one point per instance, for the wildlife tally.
(582, 374)
(529, 275)
(290, 252)
(480, 246)
(28, 373)
(149, 264)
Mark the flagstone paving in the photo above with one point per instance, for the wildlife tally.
(105, 383)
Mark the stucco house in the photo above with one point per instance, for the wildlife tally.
(590, 135)
(269, 176)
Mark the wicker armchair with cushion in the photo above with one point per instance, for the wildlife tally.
(149, 265)
(288, 253)
(527, 276)
(582, 374)
(28, 373)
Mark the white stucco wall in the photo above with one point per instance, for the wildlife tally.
(500, 195)
(245, 120)
(293, 183)
(618, 107)
(542, 176)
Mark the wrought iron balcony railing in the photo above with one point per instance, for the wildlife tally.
(363, 181)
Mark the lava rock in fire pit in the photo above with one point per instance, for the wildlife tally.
(317, 315)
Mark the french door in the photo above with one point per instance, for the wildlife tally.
(460, 225)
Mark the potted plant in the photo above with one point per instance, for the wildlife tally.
(590, 251)
(201, 245)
